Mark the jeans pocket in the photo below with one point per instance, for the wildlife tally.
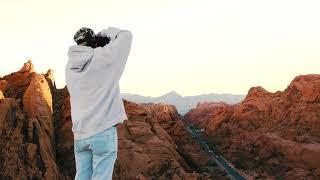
(103, 143)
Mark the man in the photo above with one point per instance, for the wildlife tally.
(92, 77)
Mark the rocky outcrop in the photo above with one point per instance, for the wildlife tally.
(50, 79)
(64, 135)
(1, 95)
(143, 142)
(274, 134)
(145, 149)
(201, 114)
(26, 128)
(37, 140)
(172, 122)
(15, 84)
(3, 85)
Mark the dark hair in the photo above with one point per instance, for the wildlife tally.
(84, 35)
(91, 43)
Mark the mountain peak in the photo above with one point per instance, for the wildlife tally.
(172, 93)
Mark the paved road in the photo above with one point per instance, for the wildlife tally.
(196, 134)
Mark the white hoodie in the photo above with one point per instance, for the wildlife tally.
(92, 78)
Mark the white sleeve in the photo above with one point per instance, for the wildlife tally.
(118, 49)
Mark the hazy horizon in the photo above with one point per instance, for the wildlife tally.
(192, 47)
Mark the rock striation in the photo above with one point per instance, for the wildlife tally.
(27, 142)
(37, 140)
(273, 135)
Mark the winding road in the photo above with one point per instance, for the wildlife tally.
(196, 135)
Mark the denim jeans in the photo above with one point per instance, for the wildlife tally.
(95, 156)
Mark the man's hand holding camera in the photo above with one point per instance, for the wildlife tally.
(85, 36)
(111, 33)
(101, 40)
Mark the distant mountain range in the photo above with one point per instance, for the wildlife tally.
(184, 103)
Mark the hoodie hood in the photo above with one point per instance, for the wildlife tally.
(79, 56)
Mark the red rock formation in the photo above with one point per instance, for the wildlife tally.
(172, 122)
(145, 149)
(14, 85)
(50, 78)
(37, 102)
(3, 85)
(64, 135)
(27, 67)
(273, 133)
(202, 113)
(1, 95)
(26, 129)
(26, 149)
(145, 143)
(37, 141)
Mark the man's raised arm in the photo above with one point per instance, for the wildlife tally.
(118, 49)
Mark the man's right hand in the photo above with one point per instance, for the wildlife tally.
(111, 33)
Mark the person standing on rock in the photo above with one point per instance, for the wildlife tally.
(92, 77)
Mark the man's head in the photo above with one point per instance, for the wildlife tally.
(85, 36)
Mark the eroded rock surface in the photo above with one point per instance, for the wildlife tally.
(26, 128)
(37, 141)
(192, 152)
(271, 134)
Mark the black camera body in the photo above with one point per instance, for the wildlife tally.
(101, 41)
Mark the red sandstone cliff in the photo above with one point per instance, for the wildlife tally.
(37, 141)
(146, 150)
(273, 134)
(27, 142)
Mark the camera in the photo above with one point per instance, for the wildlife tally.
(101, 41)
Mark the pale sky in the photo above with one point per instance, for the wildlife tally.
(190, 46)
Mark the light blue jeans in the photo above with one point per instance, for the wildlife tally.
(95, 156)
